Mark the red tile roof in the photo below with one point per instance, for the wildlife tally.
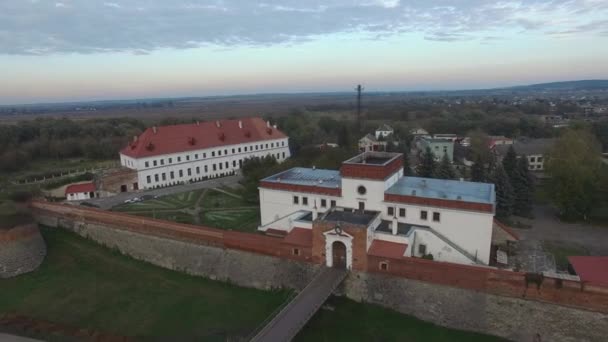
(300, 237)
(386, 249)
(83, 187)
(190, 137)
(507, 229)
(591, 269)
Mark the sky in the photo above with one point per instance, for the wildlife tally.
(74, 50)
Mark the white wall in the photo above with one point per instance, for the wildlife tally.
(374, 196)
(78, 196)
(437, 247)
(275, 204)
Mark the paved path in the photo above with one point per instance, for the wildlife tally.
(547, 227)
(109, 202)
(287, 323)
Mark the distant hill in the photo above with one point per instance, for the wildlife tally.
(567, 85)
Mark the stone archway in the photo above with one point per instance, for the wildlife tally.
(338, 254)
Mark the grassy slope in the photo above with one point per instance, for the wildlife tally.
(351, 321)
(86, 285)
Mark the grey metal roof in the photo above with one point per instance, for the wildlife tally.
(402, 228)
(353, 216)
(444, 189)
(528, 146)
(308, 176)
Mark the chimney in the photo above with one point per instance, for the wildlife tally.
(240, 124)
(395, 225)
(154, 129)
(218, 124)
(268, 124)
(135, 137)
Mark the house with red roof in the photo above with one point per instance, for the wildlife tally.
(170, 155)
(79, 192)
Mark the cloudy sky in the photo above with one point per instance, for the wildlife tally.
(88, 49)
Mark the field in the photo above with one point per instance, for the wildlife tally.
(219, 208)
(86, 286)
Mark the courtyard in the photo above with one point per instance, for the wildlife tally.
(84, 288)
(220, 207)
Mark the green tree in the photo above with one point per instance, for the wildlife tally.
(574, 165)
(445, 170)
(478, 170)
(505, 196)
(509, 163)
(344, 139)
(523, 186)
(407, 169)
(427, 165)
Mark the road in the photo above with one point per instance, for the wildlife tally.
(109, 202)
(287, 323)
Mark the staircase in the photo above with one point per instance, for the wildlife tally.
(294, 316)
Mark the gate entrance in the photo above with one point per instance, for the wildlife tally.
(338, 254)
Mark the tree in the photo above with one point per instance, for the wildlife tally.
(574, 167)
(509, 163)
(427, 165)
(445, 169)
(480, 146)
(478, 170)
(523, 186)
(344, 137)
(504, 193)
(407, 169)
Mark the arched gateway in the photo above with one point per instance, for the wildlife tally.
(338, 254)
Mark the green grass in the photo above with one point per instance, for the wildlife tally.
(561, 251)
(239, 219)
(184, 200)
(85, 285)
(351, 321)
(216, 199)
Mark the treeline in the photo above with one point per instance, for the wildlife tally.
(63, 138)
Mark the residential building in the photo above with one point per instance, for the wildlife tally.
(370, 143)
(419, 132)
(439, 147)
(369, 207)
(534, 149)
(384, 131)
(446, 136)
(495, 140)
(80, 192)
(176, 154)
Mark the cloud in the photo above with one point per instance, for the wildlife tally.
(142, 26)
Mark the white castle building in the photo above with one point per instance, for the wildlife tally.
(411, 217)
(176, 154)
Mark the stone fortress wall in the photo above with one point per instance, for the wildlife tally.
(449, 295)
(22, 250)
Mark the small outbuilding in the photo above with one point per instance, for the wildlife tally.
(79, 192)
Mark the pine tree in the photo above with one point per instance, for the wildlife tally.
(478, 171)
(504, 192)
(407, 170)
(523, 186)
(427, 165)
(445, 169)
(509, 163)
(344, 137)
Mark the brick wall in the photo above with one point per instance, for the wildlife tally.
(371, 171)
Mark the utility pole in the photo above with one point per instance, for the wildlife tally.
(359, 89)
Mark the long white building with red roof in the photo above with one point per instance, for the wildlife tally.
(169, 155)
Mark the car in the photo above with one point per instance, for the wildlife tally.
(128, 201)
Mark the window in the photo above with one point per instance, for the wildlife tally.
(296, 251)
(188, 157)
(162, 162)
(422, 249)
(219, 153)
(383, 266)
(172, 175)
(221, 166)
(532, 159)
(323, 203)
(206, 170)
(361, 206)
(164, 176)
(245, 148)
(148, 179)
(333, 203)
(196, 156)
(283, 155)
(436, 217)
(239, 150)
(189, 172)
(205, 155)
(226, 152)
(179, 159)
(401, 212)
(227, 165)
(390, 211)
(234, 163)
(154, 162)
(266, 145)
(539, 159)
(296, 200)
(423, 215)
(214, 167)
(361, 190)
(147, 164)
(170, 160)
(232, 150)
(156, 177)
(213, 153)
(305, 200)
(181, 173)
(198, 170)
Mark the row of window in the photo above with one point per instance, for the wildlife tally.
(225, 151)
(390, 211)
(296, 200)
(215, 167)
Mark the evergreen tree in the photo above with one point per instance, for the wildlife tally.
(407, 170)
(344, 137)
(445, 169)
(427, 165)
(523, 186)
(504, 192)
(509, 163)
(478, 170)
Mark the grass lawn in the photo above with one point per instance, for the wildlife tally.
(351, 321)
(562, 251)
(246, 220)
(86, 285)
(216, 199)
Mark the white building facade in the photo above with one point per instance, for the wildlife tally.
(450, 220)
(171, 155)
